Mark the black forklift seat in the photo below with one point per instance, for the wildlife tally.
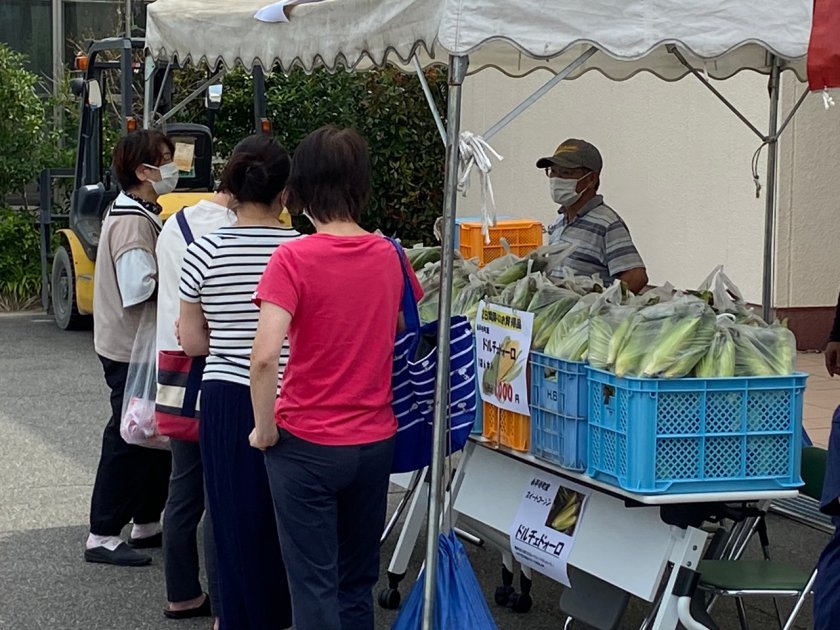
(89, 205)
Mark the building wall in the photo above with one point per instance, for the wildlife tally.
(809, 204)
(677, 164)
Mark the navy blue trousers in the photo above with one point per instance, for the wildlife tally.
(827, 586)
(330, 503)
(253, 589)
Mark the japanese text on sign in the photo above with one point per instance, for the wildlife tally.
(543, 532)
(503, 341)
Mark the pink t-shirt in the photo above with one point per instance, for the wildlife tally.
(344, 295)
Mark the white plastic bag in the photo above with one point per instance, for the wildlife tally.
(667, 339)
(609, 320)
(138, 425)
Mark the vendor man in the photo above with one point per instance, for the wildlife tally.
(602, 240)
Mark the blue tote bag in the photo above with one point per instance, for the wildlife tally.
(413, 383)
(459, 602)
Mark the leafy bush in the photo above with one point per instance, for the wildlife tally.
(22, 124)
(20, 260)
(386, 106)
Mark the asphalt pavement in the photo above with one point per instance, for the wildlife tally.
(53, 406)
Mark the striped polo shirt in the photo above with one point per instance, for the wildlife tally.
(221, 271)
(602, 240)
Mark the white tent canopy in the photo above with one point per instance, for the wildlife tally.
(717, 37)
(721, 37)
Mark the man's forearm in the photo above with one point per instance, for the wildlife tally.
(263, 393)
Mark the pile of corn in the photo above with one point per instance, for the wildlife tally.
(662, 333)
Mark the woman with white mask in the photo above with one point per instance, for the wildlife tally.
(131, 481)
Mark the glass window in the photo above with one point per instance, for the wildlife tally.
(26, 26)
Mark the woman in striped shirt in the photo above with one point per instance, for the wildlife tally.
(218, 320)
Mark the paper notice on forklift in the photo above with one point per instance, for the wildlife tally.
(184, 157)
(503, 342)
(543, 532)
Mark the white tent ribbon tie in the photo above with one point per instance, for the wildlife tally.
(475, 152)
(828, 101)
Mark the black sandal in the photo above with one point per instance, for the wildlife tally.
(202, 610)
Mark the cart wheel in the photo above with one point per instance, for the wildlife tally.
(520, 602)
(389, 598)
(503, 595)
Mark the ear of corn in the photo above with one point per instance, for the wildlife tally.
(418, 257)
(719, 361)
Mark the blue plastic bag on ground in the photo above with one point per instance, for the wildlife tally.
(459, 602)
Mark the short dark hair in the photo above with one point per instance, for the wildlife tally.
(137, 148)
(256, 171)
(330, 176)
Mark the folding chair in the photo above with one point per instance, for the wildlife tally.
(745, 578)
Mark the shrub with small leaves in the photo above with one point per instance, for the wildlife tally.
(20, 259)
(22, 124)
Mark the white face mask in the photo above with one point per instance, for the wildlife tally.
(168, 178)
(564, 191)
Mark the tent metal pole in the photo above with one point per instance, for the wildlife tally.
(457, 73)
(770, 200)
(191, 97)
(430, 99)
(148, 88)
(792, 113)
(58, 62)
(673, 50)
(539, 93)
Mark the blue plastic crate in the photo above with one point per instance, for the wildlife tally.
(687, 435)
(559, 439)
(559, 387)
(558, 411)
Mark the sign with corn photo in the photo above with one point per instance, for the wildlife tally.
(503, 342)
(543, 532)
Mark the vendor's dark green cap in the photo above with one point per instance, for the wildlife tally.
(574, 153)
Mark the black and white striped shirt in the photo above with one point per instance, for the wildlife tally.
(221, 271)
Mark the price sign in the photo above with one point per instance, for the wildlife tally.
(503, 342)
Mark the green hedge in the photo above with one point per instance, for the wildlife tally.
(20, 259)
(387, 107)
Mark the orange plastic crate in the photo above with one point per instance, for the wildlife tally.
(507, 428)
(523, 236)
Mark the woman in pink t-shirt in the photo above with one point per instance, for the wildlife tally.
(329, 437)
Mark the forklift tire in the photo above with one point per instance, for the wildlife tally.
(63, 293)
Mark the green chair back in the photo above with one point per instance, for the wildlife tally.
(813, 471)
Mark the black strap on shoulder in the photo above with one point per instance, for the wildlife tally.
(131, 211)
(181, 218)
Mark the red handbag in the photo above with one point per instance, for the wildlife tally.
(178, 392)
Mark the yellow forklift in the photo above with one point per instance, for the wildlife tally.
(68, 256)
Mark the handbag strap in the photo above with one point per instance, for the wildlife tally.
(193, 387)
(409, 303)
(185, 227)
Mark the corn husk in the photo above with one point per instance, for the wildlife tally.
(419, 257)
(719, 361)
(764, 351)
(549, 305)
(468, 298)
(666, 340)
(569, 340)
